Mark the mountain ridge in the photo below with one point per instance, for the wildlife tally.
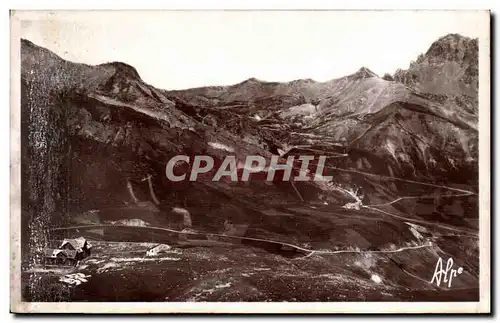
(117, 129)
(403, 166)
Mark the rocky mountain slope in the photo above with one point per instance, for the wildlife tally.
(423, 125)
(98, 138)
(449, 68)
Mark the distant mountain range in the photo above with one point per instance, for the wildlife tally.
(89, 131)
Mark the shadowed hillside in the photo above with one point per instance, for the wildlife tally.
(402, 154)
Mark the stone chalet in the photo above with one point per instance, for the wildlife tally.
(69, 252)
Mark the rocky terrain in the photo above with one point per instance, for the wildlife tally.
(402, 151)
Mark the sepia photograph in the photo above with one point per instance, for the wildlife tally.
(250, 161)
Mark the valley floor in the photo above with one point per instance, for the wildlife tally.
(120, 271)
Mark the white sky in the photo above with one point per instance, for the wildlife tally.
(183, 49)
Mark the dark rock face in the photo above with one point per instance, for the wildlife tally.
(449, 68)
(92, 135)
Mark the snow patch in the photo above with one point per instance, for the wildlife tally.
(391, 148)
(158, 249)
(376, 278)
(352, 206)
(416, 233)
(74, 279)
(131, 222)
(218, 145)
(366, 262)
(417, 230)
(223, 285)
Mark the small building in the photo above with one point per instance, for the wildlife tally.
(73, 256)
(79, 246)
(61, 257)
(55, 257)
(70, 251)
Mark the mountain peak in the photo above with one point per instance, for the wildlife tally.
(453, 47)
(36, 52)
(364, 72)
(252, 80)
(453, 38)
(26, 42)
